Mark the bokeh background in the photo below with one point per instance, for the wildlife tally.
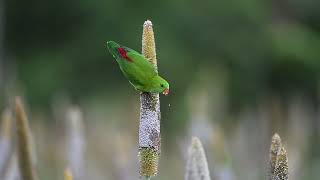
(239, 71)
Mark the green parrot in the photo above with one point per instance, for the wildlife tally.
(138, 70)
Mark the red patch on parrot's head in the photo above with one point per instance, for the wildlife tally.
(123, 53)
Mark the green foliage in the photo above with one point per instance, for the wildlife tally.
(60, 46)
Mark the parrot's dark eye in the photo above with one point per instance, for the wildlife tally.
(161, 85)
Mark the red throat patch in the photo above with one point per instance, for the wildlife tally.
(123, 53)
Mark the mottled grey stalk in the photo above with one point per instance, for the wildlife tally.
(24, 149)
(76, 144)
(149, 129)
(197, 166)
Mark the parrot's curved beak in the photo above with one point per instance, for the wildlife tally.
(165, 92)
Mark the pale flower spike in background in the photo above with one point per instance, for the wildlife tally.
(76, 146)
(197, 165)
(278, 160)
(24, 144)
(6, 146)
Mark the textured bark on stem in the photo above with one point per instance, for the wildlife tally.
(149, 129)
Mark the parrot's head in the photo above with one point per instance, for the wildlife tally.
(160, 85)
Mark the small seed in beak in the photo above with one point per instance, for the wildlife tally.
(165, 92)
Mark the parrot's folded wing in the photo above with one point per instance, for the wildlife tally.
(142, 63)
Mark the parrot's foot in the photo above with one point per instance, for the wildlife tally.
(140, 92)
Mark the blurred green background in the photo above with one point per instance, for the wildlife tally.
(239, 71)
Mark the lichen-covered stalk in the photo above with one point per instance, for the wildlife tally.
(149, 129)
(24, 150)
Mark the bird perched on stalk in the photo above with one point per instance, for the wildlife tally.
(138, 70)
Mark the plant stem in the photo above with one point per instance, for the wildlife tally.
(149, 128)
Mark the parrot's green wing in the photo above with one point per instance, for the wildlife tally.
(141, 62)
(137, 68)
